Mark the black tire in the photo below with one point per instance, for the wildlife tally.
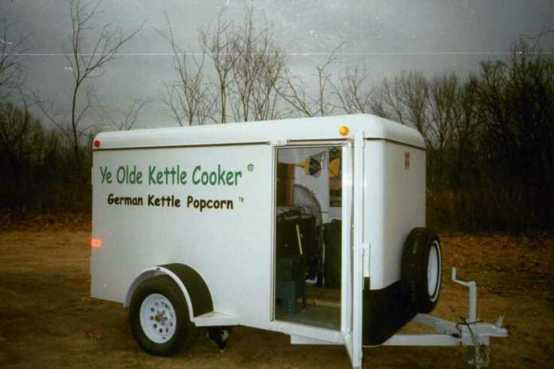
(183, 332)
(422, 252)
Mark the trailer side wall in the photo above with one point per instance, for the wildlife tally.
(218, 223)
(394, 205)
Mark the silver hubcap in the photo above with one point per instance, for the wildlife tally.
(157, 318)
(433, 271)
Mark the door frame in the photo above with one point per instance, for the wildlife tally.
(360, 251)
(303, 333)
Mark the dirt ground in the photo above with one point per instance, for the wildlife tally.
(48, 320)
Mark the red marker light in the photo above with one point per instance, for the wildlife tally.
(95, 243)
(96, 143)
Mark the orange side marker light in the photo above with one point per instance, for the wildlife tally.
(344, 130)
(95, 243)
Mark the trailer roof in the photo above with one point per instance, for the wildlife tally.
(291, 130)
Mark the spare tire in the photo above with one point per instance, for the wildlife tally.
(421, 269)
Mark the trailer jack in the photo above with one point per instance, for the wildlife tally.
(469, 332)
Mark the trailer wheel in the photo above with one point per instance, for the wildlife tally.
(421, 269)
(159, 317)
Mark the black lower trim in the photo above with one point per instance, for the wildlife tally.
(385, 311)
(200, 296)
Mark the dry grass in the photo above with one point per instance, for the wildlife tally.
(49, 321)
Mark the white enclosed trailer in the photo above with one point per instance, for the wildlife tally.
(309, 227)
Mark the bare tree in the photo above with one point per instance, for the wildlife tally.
(265, 99)
(296, 96)
(389, 100)
(533, 42)
(219, 45)
(124, 119)
(292, 90)
(188, 98)
(405, 99)
(445, 110)
(354, 94)
(14, 126)
(92, 49)
(322, 102)
(415, 96)
(248, 67)
(258, 66)
(17, 132)
(11, 66)
(465, 133)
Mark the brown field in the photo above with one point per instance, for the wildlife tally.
(48, 320)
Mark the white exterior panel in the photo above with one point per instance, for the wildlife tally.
(320, 128)
(229, 248)
(395, 205)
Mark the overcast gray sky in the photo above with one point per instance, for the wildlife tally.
(383, 36)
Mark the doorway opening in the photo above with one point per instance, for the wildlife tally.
(307, 275)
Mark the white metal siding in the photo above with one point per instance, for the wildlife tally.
(231, 249)
(320, 128)
(395, 204)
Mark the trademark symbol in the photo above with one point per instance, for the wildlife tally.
(250, 167)
(241, 199)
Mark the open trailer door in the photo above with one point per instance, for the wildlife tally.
(311, 283)
(354, 247)
(338, 183)
(347, 211)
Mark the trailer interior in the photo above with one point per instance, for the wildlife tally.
(307, 274)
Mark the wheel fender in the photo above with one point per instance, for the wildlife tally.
(190, 282)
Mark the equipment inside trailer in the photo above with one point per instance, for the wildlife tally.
(308, 236)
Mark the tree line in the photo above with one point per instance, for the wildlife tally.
(489, 135)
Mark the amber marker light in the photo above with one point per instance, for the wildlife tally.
(95, 243)
(344, 130)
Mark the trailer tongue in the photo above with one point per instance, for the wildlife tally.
(470, 332)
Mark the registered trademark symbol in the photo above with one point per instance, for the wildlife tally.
(250, 167)
(241, 199)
